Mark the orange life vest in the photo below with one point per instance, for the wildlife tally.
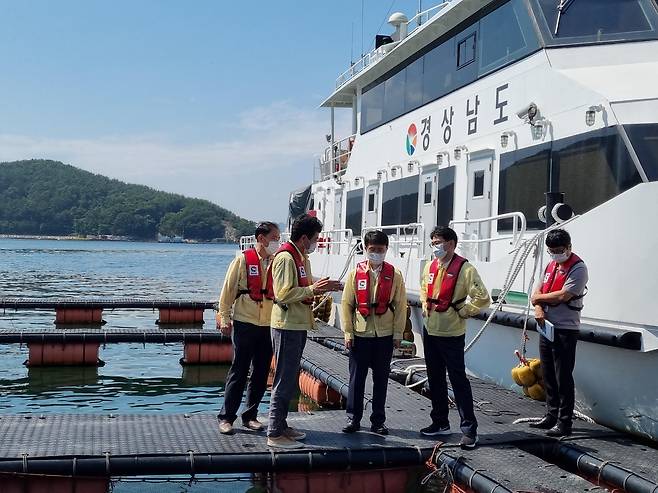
(444, 300)
(556, 275)
(302, 277)
(255, 288)
(384, 288)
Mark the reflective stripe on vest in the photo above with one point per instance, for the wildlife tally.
(555, 276)
(302, 277)
(384, 288)
(448, 284)
(255, 288)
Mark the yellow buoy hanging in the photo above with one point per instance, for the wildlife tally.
(523, 376)
(535, 366)
(537, 392)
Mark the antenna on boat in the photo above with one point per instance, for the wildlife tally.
(352, 46)
(420, 9)
(362, 9)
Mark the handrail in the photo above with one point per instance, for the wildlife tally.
(331, 242)
(401, 237)
(247, 242)
(335, 158)
(518, 230)
(377, 54)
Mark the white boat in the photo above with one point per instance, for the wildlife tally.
(468, 115)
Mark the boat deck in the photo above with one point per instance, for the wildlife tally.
(121, 445)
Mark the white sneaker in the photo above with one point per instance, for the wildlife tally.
(283, 442)
(225, 428)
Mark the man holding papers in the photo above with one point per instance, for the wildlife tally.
(558, 301)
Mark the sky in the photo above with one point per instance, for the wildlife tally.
(211, 99)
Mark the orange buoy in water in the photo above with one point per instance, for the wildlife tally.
(69, 354)
(180, 316)
(65, 316)
(195, 353)
(384, 481)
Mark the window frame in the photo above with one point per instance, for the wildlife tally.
(460, 41)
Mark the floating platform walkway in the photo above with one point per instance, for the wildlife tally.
(511, 457)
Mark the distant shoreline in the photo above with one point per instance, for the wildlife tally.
(104, 238)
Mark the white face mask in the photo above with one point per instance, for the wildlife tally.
(559, 257)
(272, 247)
(375, 258)
(311, 248)
(439, 251)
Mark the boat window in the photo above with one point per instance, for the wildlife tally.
(427, 199)
(394, 91)
(596, 20)
(593, 168)
(506, 34)
(644, 138)
(466, 51)
(446, 196)
(354, 211)
(523, 181)
(372, 108)
(438, 74)
(413, 90)
(478, 184)
(589, 169)
(371, 202)
(400, 201)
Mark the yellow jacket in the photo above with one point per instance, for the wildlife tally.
(452, 323)
(244, 308)
(298, 316)
(386, 324)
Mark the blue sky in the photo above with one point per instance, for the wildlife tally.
(211, 99)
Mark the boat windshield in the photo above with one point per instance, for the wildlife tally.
(593, 21)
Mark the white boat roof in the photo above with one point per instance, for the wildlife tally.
(454, 12)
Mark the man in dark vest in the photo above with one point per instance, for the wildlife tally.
(451, 291)
(373, 317)
(245, 309)
(559, 299)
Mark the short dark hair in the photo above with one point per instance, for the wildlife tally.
(558, 238)
(448, 234)
(305, 225)
(265, 228)
(376, 237)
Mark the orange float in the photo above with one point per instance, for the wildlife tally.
(381, 481)
(316, 390)
(78, 315)
(195, 353)
(180, 316)
(26, 483)
(69, 354)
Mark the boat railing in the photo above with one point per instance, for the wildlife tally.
(335, 242)
(403, 239)
(247, 242)
(474, 240)
(334, 159)
(375, 55)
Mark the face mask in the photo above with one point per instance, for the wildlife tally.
(311, 247)
(272, 247)
(439, 251)
(375, 258)
(559, 257)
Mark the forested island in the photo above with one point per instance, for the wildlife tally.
(43, 197)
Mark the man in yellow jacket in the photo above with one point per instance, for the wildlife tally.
(451, 291)
(292, 317)
(245, 309)
(373, 317)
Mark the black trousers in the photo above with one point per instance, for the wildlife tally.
(374, 353)
(447, 353)
(252, 347)
(558, 359)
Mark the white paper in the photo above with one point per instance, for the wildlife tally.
(547, 330)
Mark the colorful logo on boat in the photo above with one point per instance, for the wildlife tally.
(411, 139)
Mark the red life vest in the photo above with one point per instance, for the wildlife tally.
(448, 284)
(302, 277)
(556, 275)
(255, 288)
(384, 289)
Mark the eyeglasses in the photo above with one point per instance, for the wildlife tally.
(433, 244)
(556, 251)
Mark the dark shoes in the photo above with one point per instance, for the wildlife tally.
(435, 430)
(379, 429)
(468, 443)
(546, 423)
(559, 430)
(351, 426)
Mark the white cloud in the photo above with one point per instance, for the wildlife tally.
(271, 150)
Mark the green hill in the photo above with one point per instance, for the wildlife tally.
(45, 197)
